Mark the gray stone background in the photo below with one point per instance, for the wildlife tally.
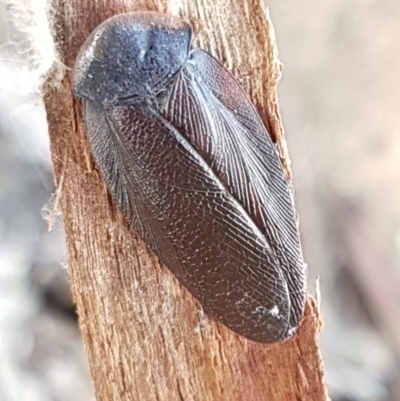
(339, 100)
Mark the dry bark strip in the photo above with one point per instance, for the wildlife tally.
(145, 336)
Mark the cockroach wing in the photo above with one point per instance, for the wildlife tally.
(209, 108)
(188, 218)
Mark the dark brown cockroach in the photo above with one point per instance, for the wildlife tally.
(189, 162)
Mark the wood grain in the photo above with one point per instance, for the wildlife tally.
(145, 335)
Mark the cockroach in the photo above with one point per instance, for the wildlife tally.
(189, 162)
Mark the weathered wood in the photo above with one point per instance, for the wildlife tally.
(145, 336)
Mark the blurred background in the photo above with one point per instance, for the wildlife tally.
(340, 103)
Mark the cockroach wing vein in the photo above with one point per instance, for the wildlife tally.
(186, 216)
(209, 108)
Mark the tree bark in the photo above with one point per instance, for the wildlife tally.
(145, 335)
